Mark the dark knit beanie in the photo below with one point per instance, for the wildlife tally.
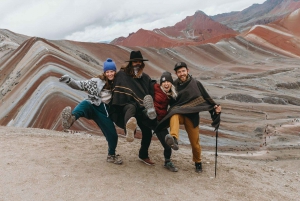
(109, 65)
(166, 76)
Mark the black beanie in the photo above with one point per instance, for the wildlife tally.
(166, 76)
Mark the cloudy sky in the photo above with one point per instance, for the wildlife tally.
(103, 20)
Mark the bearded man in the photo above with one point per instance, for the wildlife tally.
(192, 98)
(130, 87)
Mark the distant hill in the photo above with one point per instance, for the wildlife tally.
(269, 11)
(9, 41)
(193, 30)
(281, 36)
(200, 28)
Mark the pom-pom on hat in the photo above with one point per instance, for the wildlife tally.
(109, 65)
(166, 76)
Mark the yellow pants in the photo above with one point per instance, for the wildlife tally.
(193, 134)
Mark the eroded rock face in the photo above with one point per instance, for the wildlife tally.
(242, 98)
(295, 85)
(275, 100)
(88, 58)
(259, 130)
(290, 99)
(9, 41)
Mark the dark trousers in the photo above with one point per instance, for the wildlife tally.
(129, 111)
(100, 115)
(146, 125)
(146, 140)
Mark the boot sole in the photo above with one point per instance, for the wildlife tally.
(151, 164)
(130, 128)
(115, 162)
(170, 141)
(149, 105)
(66, 115)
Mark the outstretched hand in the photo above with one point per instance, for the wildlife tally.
(65, 79)
(218, 108)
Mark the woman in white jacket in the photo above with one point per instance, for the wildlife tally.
(95, 107)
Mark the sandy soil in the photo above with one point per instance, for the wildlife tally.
(40, 164)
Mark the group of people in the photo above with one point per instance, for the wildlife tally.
(130, 98)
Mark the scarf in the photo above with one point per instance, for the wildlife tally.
(192, 98)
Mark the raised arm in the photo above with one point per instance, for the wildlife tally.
(83, 85)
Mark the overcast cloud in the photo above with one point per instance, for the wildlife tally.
(99, 20)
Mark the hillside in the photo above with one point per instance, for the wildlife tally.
(257, 14)
(193, 30)
(254, 76)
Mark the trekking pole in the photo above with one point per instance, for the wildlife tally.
(216, 153)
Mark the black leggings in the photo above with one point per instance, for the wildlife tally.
(167, 149)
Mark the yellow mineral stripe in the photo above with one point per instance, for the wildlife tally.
(137, 99)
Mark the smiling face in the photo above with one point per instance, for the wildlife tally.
(182, 74)
(110, 74)
(166, 85)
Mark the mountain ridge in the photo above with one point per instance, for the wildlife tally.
(267, 12)
(201, 28)
(193, 30)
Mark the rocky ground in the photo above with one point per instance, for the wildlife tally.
(40, 164)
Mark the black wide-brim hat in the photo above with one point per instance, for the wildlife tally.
(136, 56)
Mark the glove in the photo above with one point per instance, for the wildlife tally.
(65, 79)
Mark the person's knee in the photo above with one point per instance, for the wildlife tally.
(195, 141)
(145, 131)
(130, 107)
(175, 116)
(180, 118)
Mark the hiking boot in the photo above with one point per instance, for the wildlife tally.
(147, 161)
(172, 142)
(67, 118)
(130, 129)
(170, 166)
(116, 159)
(198, 167)
(148, 104)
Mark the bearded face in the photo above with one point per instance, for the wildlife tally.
(137, 67)
(182, 74)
